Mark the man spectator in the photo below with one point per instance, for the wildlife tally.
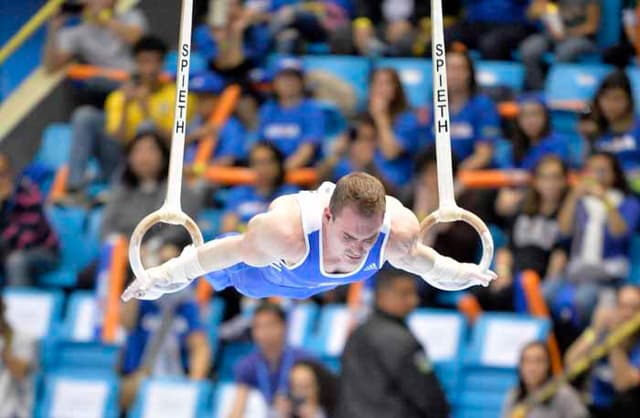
(267, 369)
(385, 370)
(494, 27)
(18, 354)
(158, 333)
(28, 245)
(293, 123)
(103, 38)
(615, 380)
(146, 101)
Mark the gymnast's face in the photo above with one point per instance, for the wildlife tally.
(350, 235)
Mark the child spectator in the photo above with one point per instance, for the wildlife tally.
(28, 245)
(475, 123)
(534, 371)
(570, 29)
(229, 138)
(533, 137)
(293, 123)
(600, 215)
(245, 202)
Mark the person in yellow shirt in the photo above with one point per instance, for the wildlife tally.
(145, 102)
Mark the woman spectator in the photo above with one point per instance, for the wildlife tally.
(618, 127)
(312, 392)
(570, 28)
(533, 234)
(245, 202)
(475, 123)
(534, 371)
(293, 123)
(28, 244)
(142, 188)
(533, 137)
(600, 215)
(396, 127)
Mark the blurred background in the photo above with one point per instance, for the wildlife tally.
(285, 94)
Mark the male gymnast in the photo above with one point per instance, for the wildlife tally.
(311, 242)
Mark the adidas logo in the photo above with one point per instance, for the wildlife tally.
(372, 266)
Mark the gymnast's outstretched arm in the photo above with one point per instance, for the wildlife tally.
(405, 251)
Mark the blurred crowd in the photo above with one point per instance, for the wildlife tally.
(573, 224)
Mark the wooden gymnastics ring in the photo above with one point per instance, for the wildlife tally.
(171, 212)
(448, 210)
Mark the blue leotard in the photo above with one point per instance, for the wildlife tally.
(307, 277)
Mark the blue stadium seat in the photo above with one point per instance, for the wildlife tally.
(334, 122)
(231, 354)
(93, 358)
(80, 321)
(169, 398)
(634, 76)
(354, 70)
(213, 315)
(55, 146)
(197, 64)
(209, 222)
(610, 23)
(301, 321)
(442, 334)
(415, 75)
(223, 398)
(328, 342)
(634, 273)
(36, 312)
(77, 251)
(77, 394)
(574, 81)
(500, 73)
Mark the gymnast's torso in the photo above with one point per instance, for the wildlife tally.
(306, 275)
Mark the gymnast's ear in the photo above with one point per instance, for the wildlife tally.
(327, 214)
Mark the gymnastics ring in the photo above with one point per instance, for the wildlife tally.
(170, 212)
(448, 210)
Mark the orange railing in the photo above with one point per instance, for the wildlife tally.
(117, 278)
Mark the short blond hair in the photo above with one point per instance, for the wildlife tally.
(361, 191)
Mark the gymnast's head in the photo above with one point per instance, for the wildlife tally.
(354, 217)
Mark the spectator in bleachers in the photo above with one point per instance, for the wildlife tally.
(235, 42)
(267, 369)
(165, 338)
(103, 38)
(385, 370)
(600, 215)
(618, 126)
(229, 138)
(475, 124)
(570, 29)
(292, 122)
(381, 27)
(624, 51)
(312, 392)
(18, 359)
(615, 380)
(534, 371)
(28, 244)
(493, 27)
(533, 137)
(245, 202)
(530, 219)
(143, 102)
(142, 188)
(298, 22)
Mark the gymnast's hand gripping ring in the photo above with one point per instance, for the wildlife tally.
(448, 210)
(170, 212)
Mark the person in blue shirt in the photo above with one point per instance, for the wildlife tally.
(268, 367)
(599, 215)
(396, 124)
(163, 337)
(615, 379)
(533, 137)
(235, 47)
(229, 139)
(618, 127)
(475, 123)
(245, 202)
(493, 27)
(290, 121)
